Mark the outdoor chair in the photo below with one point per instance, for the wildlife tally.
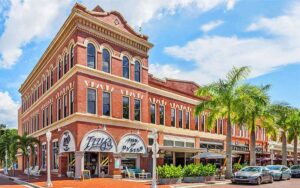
(35, 168)
(130, 173)
(36, 171)
(26, 170)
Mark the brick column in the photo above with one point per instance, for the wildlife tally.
(79, 163)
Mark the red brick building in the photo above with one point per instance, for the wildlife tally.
(92, 90)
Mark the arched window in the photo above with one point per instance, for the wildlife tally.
(71, 56)
(65, 63)
(137, 71)
(91, 56)
(105, 61)
(125, 67)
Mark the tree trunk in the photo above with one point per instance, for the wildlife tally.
(228, 172)
(252, 148)
(284, 149)
(295, 149)
(28, 173)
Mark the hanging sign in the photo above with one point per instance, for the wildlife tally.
(98, 141)
(67, 142)
(131, 143)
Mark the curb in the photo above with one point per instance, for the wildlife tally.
(201, 184)
(20, 182)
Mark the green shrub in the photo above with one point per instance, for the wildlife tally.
(209, 170)
(238, 166)
(192, 170)
(169, 171)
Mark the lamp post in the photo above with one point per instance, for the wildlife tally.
(49, 183)
(155, 149)
(272, 154)
(5, 171)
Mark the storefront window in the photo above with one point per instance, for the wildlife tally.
(137, 109)
(71, 166)
(43, 156)
(91, 101)
(161, 115)
(168, 159)
(126, 107)
(152, 113)
(189, 159)
(130, 163)
(55, 154)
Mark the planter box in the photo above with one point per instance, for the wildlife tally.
(198, 179)
(165, 181)
(210, 178)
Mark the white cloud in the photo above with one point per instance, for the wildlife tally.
(8, 110)
(138, 12)
(211, 25)
(27, 20)
(213, 56)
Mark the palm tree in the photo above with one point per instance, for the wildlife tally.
(25, 144)
(281, 112)
(222, 96)
(294, 130)
(6, 140)
(252, 107)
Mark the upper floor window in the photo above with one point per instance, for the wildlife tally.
(162, 114)
(187, 120)
(221, 127)
(106, 103)
(59, 109)
(126, 107)
(196, 122)
(72, 56)
(216, 126)
(65, 106)
(137, 71)
(65, 63)
(51, 77)
(173, 117)
(91, 56)
(105, 61)
(125, 63)
(203, 123)
(47, 116)
(91, 101)
(51, 113)
(71, 99)
(152, 113)
(180, 118)
(59, 71)
(137, 109)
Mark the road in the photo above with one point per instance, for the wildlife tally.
(6, 183)
(293, 183)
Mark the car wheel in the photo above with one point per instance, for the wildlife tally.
(258, 181)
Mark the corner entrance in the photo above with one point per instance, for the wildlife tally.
(97, 163)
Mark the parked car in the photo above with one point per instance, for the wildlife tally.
(295, 171)
(280, 172)
(253, 175)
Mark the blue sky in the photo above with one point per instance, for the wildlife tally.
(197, 40)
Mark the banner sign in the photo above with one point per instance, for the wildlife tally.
(67, 142)
(131, 143)
(98, 141)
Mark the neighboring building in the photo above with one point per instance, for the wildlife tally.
(92, 90)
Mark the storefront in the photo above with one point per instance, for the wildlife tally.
(67, 153)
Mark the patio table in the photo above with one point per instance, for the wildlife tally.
(144, 175)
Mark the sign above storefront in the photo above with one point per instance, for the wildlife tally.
(132, 143)
(98, 141)
(67, 142)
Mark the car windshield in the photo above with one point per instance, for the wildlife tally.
(251, 169)
(295, 167)
(275, 167)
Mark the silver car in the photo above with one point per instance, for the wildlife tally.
(295, 170)
(280, 172)
(253, 175)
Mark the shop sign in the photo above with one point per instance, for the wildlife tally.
(98, 141)
(67, 142)
(131, 143)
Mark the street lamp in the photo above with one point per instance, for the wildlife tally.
(49, 183)
(272, 153)
(155, 149)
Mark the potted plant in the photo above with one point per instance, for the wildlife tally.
(192, 173)
(169, 174)
(209, 172)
